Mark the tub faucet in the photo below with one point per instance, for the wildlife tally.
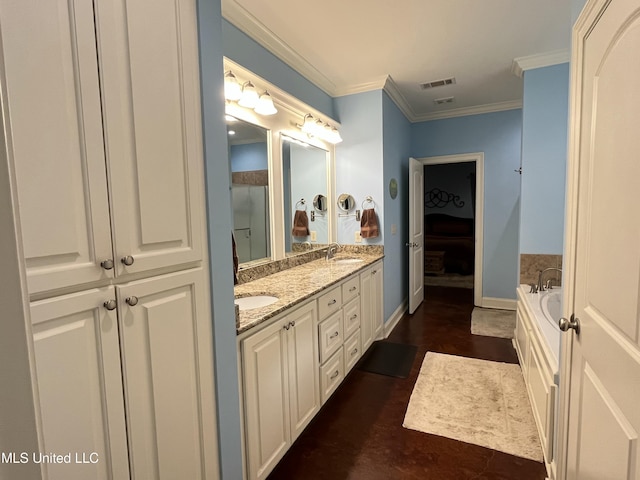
(541, 286)
(332, 249)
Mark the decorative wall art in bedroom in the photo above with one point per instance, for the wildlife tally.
(436, 198)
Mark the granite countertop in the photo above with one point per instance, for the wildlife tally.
(296, 284)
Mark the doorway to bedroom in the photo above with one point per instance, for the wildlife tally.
(453, 211)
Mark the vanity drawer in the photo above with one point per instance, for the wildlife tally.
(330, 302)
(331, 375)
(330, 335)
(351, 317)
(351, 288)
(352, 351)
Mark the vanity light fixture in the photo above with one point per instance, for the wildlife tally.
(231, 132)
(265, 105)
(250, 97)
(320, 129)
(232, 89)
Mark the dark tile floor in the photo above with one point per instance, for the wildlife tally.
(358, 434)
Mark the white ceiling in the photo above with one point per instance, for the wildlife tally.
(349, 46)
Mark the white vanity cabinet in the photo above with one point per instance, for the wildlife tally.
(281, 386)
(160, 361)
(371, 292)
(104, 121)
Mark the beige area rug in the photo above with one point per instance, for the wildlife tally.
(491, 322)
(474, 401)
(449, 280)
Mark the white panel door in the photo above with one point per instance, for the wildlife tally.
(416, 234)
(266, 386)
(77, 359)
(304, 381)
(604, 418)
(165, 337)
(150, 91)
(54, 136)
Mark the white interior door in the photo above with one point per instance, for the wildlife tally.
(604, 418)
(416, 234)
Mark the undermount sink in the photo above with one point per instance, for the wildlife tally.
(255, 301)
(344, 261)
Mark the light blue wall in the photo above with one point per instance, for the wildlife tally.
(498, 135)
(396, 152)
(251, 55)
(249, 156)
(544, 159)
(358, 159)
(219, 230)
(576, 8)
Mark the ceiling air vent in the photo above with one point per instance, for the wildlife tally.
(438, 83)
(441, 101)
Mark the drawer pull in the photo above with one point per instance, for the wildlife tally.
(332, 302)
(335, 374)
(353, 289)
(354, 316)
(287, 326)
(354, 352)
(334, 335)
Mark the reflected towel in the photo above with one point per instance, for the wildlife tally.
(235, 259)
(300, 224)
(369, 224)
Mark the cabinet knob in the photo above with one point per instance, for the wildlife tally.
(293, 324)
(287, 326)
(110, 304)
(354, 352)
(107, 264)
(132, 301)
(128, 260)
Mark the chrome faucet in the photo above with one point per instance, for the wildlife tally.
(541, 286)
(307, 244)
(332, 249)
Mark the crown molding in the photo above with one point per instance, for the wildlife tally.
(522, 64)
(240, 17)
(465, 111)
(391, 87)
(375, 84)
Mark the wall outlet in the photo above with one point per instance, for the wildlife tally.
(314, 236)
(358, 238)
(394, 229)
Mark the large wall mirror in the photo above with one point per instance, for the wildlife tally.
(306, 190)
(249, 162)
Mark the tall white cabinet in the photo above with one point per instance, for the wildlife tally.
(103, 126)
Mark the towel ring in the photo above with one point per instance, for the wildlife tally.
(368, 199)
(302, 202)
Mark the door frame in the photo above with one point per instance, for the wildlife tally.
(478, 158)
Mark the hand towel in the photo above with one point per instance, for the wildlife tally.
(235, 259)
(369, 224)
(300, 224)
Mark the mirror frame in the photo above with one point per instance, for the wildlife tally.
(291, 112)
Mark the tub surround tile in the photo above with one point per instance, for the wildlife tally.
(298, 283)
(531, 264)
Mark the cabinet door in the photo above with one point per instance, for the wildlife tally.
(366, 309)
(266, 402)
(53, 128)
(304, 384)
(166, 359)
(377, 314)
(77, 360)
(150, 91)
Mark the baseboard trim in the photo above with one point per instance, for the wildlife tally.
(395, 317)
(499, 303)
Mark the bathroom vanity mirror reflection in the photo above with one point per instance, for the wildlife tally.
(346, 202)
(249, 159)
(305, 177)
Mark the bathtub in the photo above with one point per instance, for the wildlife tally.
(537, 343)
(546, 309)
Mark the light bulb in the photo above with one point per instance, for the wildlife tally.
(265, 105)
(232, 89)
